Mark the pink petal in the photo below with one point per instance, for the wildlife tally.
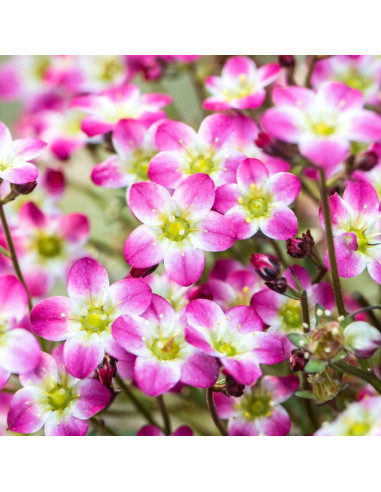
(130, 296)
(279, 424)
(87, 280)
(160, 310)
(150, 430)
(174, 135)
(93, 397)
(349, 262)
(302, 275)
(82, 354)
(239, 65)
(4, 377)
(282, 224)
(215, 103)
(200, 370)
(293, 96)
(92, 126)
(226, 197)
(19, 351)
(241, 427)
(245, 369)
(283, 122)
(281, 388)
(243, 319)
(50, 318)
(365, 126)
(13, 297)
(128, 332)
(195, 195)
(165, 168)
(75, 228)
(32, 217)
(184, 266)
(218, 233)
(340, 96)
(65, 425)
(45, 371)
(251, 171)
(216, 130)
(141, 249)
(268, 73)
(250, 102)
(154, 377)
(111, 174)
(25, 414)
(127, 135)
(25, 173)
(267, 304)
(28, 148)
(339, 211)
(148, 200)
(183, 430)
(268, 348)
(326, 153)
(374, 268)
(224, 405)
(362, 198)
(283, 187)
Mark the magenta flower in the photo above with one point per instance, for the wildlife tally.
(235, 338)
(373, 176)
(176, 229)
(259, 411)
(5, 401)
(259, 201)
(356, 229)
(53, 399)
(106, 109)
(241, 84)
(84, 319)
(15, 156)
(323, 123)
(185, 152)
(135, 146)
(362, 72)
(152, 430)
(19, 349)
(164, 358)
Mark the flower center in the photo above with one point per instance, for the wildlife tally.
(201, 164)
(356, 80)
(109, 69)
(59, 398)
(256, 404)
(176, 228)
(49, 246)
(359, 429)
(96, 320)
(226, 348)
(323, 129)
(140, 163)
(254, 203)
(166, 348)
(291, 315)
(257, 207)
(242, 89)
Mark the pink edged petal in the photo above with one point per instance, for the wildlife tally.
(32, 217)
(110, 174)
(165, 169)
(268, 348)
(365, 126)
(241, 427)
(302, 275)
(28, 148)
(282, 224)
(141, 249)
(222, 292)
(340, 96)
(243, 319)
(65, 425)
(322, 293)
(93, 397)
(159, 310)
(218, 233)
(50, 318)
(226, 197)
(75, 228)
(127, 135)
(349, 262)
(4, 377)
(184, 267)
(22, 174)
(239, 65)
(45, 372)
(223, 267)
(215, 103)
(195, 195)
(362, 198)
(154, 377)
(198, 337)
(243, 229)
(5, 135)
(325, 153)
(216, 130)
(150, 430)
(283, 187)
(13, 297)
(251, 171)
(204, 314)
(200, 370)
(293, 96)
(279, 424)
(174, 135)
(281, 388)
(87, 280)
(92, 126)
(183, 431)
(266, 303)
(19, 351)
(148, 200)
(224, 405)
(25, 414)
(244, 369)
(283, 122)
(82, 354)
(374, 268)
(156, 100)
(339, 211)
(128, 332)
(250, 102)
(130, 296)
(268, 73)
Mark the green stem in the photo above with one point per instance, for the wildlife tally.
(4, 252)
(13, 255)
(305, 312)
(330, 245)
(165, 415)
(365, 309)
(278, 252)
(369, 377)
(130, 395)
(102, 427)
(213, 412)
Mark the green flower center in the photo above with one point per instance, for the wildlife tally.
(96, 320)
(291, 316)
(59, 398)
(176, 228)
(359, 429)
(257, 207)
(323, 129)
(356, 80)
(226, 348)
(254, 203)
(49, 246)
(243, 89)
(110, 69)
(140, 163)
(201, 164)
(256, 404)
(166, 348)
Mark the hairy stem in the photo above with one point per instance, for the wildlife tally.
(213, 412)
(164, 413)
(369, 377)
(305, 312)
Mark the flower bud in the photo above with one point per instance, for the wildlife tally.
(274, 147)
(326, 340)
(142, 272)
(298, 360)
(267, 266)
(233, 388)
(24, 189)
(286, 61)
(367, 161)
(324, 386)
(300, 247)
(106, 370)
(279, 285)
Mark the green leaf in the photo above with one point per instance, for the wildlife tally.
(305, 394)
(298, 340)
(314, 365)
(341, 355)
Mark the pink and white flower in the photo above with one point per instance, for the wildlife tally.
(235, 338)
(183, 152)
(100, 72)
(322, 123)
(356, 229)
(163, 357)
(84, 319)
(135, 146)
(106, 109)
(373, 176)
(260, 201)
(19, 349)
(361, 339)
(163, 286)
(15, 157)
(259, 410)
(53, 399)
(241, 84)
(176, 229)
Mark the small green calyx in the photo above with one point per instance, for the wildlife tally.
(256, 404)
(176, 228)
(59, 398)
(95, 321)
(49, 246)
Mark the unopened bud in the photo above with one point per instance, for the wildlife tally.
(142, 272)
(326, 340)
(298, 360)
(286, 61)
(300, 247)
(274, 147)
(267, 266)
(368, 161)
(106, 370)
(324, 386)
(279, 285)
(233, 388)
(24, 189)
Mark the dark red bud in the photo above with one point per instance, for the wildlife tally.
(233, 388)
(286, 61)
(202, 291)
(142, 272)
(300, 247)
(368, 161)
(267, 266)
(24, 189)
(106, 370)
(279, 285)
(274, 147)
(298, 360)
